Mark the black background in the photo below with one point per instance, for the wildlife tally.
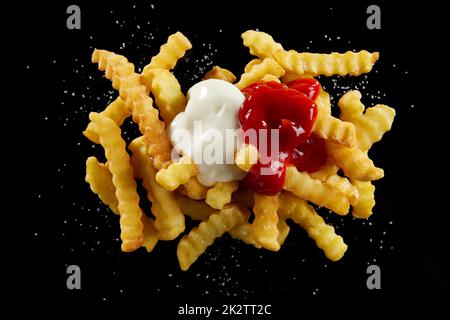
(65, 223)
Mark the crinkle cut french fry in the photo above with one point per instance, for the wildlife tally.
(121, 72)
(302, 185)
(354, 162)
(246, 157)
(251, 64)
(196, 210)
(257, 72)
(153, 129)
(169, 219)
(323, 103)
(191, 246)
(344, 186)
(115, 66)
(220, 194)
(329, 127)
(315, 64)
(260, 43)
(167, 92)
(170, 52)
(220, 73)
(303, 214)
(150, 233)
(158, 211)
(366, 202)
(119, 165)
(288, 77)
(370, 126)
(116, 110)
(177, 173)
(194, 189)
(270, 78)
(100, 180)
(328, 174)
(100, 177)
(132, 90)
(265, 225)
(350, 104)
(245, 232)
(283, 228)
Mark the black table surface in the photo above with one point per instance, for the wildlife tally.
(66, 224)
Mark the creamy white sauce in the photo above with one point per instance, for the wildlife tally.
(204, 130)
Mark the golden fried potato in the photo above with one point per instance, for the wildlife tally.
(177, 173)
(220, 73)
(245, 232)
(283, 229)
(191, 246)
(195, 209)
(150, 233)
(251, 64)
(322, 194)
(116, 110)
(260, 44)
(194, 189)
(100, 180)
(121, 72)
(220, 194)
(323, 103)
(270, 78)
(170, 52)
(344, 186)
(370, 126)
(122, 176)
(265, 225)
(166, 90)
(169, 221)
(246, 157)
(354, 162)
(366, 202)
(316, 64)
(331, 128)
(288, 77)
(257, 72)
(326, 239)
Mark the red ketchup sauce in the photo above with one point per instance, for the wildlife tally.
(290, 109)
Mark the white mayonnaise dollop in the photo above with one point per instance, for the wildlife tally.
(207, 130)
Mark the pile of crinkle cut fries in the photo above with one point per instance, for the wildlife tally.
(173, 187)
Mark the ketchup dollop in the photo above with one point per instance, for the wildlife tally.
(290, 109)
